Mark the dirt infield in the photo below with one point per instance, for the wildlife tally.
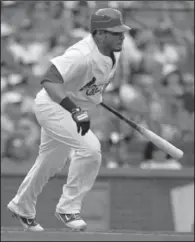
(15, 234)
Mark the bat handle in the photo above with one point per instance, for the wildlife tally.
(128, 121)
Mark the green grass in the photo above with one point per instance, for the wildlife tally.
(15, 234)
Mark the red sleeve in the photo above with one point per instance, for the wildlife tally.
(52, 75)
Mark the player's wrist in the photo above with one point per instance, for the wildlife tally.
(69, 105)
(75, 110)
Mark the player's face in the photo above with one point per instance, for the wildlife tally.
(114, 40)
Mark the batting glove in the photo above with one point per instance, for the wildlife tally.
(82, 120)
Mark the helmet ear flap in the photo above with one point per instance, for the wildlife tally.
(94, 32)
(97, 31)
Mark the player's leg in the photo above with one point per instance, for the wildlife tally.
(51, 158)
(83, 170)
(60, 126)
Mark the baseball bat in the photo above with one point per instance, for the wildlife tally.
(148, 134)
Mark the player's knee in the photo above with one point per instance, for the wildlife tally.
(94, 150)
(97, 156)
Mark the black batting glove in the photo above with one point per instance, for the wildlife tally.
(82, 120)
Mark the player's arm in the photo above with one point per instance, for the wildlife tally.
(54, 85)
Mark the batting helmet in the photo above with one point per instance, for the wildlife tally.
(108, 19)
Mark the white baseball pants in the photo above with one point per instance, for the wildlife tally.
(58, 137)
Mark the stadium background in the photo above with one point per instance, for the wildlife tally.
(161, 86)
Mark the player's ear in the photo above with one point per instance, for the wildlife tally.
(100, 34)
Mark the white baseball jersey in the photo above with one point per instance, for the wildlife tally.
(85, 72)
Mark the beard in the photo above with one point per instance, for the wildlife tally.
(117, 49)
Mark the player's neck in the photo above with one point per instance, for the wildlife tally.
(102, 49)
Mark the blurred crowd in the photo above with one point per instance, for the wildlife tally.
(154, 84)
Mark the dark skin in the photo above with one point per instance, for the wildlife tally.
(109, 42)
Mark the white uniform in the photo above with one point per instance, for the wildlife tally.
(85, 72)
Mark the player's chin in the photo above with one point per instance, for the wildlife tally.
(117, 49)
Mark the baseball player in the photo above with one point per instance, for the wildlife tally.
(73, 84)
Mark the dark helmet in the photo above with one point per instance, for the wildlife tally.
(108, 19)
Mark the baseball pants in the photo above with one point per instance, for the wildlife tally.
(58, 138)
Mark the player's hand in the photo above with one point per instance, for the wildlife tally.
(82, 120)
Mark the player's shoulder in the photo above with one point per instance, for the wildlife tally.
(82, 48)
(72, 55)
(79, 53)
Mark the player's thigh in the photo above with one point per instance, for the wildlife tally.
(49, 144)
(52, 148)
(60, 126)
